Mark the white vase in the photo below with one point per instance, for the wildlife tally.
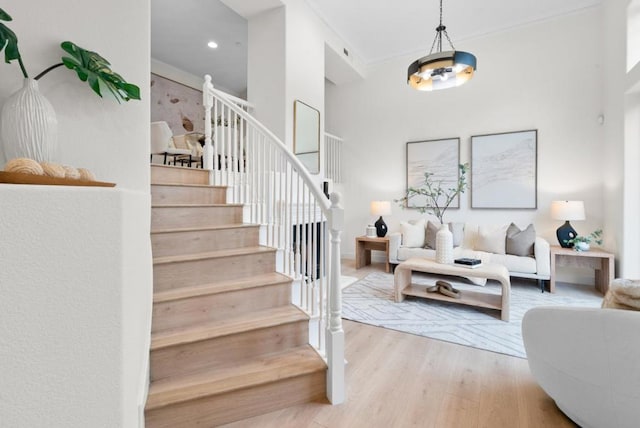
(28, 125)
(444, 245)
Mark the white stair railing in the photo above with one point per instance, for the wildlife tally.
(296, 218)
(333, 157)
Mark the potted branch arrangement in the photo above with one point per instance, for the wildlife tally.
(438, 198)
(583, 243)
(28, 122)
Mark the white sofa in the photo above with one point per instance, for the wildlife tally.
(586, 359)
(537, 267)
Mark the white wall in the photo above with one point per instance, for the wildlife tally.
(75, 278)
(546, 76)
(266, 69)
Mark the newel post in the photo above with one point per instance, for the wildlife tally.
(207, 103)
(335, 334)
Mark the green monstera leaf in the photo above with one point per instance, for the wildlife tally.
(8, 39)
(9, 42)
(94, 69)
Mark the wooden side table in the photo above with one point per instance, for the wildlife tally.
(364, 245)
(602, 262)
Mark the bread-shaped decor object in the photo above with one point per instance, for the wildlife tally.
(53, 169)
(24, 166)
(86, 175)
(71, 172)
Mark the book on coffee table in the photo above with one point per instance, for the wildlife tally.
(466, 261)
(469, 266)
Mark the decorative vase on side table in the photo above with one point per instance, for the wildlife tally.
(28, 125)
(444, 245)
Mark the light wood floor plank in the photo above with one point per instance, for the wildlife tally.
(400, 380)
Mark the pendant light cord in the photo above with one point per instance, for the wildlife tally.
(441, 29)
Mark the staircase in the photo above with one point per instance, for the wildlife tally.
(227, 343)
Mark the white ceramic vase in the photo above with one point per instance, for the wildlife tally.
(444, 245)
(582, 246)
(28, 125)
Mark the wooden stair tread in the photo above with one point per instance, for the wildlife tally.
(213, 254)
(270, 278)
(213, 381)
(205, 228)
(207, 186)
(195, 205)
(247, 322)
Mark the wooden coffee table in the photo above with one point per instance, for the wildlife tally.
(500, 302)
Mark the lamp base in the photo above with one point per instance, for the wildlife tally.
(381, 228)
(564, 233)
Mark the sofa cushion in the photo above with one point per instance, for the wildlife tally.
(413, 233)
(520, 242)
(430, 235)
(457, 230)
(491, 239)
(514, 264)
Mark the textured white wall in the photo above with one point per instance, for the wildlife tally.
(266, 70)
(546, 76)
(75, 263)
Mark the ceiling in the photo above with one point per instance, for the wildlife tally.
(375, 30)
(382, 29)
(180, 31)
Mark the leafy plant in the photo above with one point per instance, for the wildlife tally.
(89, 66)
(434, 192)
(595, 236)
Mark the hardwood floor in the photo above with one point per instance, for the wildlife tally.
(400, 380)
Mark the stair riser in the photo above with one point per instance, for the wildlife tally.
(241, 404)
(200, 241)
(218, 307)
(227, 349)
(164, 194)
(169, 175)
(177, 217)
(207, 271)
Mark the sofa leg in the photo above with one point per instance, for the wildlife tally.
(541, 285)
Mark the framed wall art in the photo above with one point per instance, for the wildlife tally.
(306, 135)
(438, 157)
(504, 170)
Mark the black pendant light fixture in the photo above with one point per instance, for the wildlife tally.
(441, 70)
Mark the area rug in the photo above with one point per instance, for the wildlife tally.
(371, 301)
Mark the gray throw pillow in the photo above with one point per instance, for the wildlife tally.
(430, 235)
(520, 242)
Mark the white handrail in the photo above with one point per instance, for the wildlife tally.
(296, 218)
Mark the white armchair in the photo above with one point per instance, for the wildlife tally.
(588, 361)
(161, 143)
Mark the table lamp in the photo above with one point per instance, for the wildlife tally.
(380, 208)
(567, 210)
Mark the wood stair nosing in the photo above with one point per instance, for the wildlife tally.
(204, 331)
(232, 252)
(206, 228)
(186, 185)
(228, 205)
(275, 367)
(271, 278)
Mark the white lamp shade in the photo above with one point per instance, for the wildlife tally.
(380, 208)
(567, 210)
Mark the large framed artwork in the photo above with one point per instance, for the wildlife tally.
(177, 104)
(437, 157)
(504, 170)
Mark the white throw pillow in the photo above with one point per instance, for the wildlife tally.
(412, 233)
(492, 239)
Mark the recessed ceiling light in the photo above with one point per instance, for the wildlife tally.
(212, 44)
